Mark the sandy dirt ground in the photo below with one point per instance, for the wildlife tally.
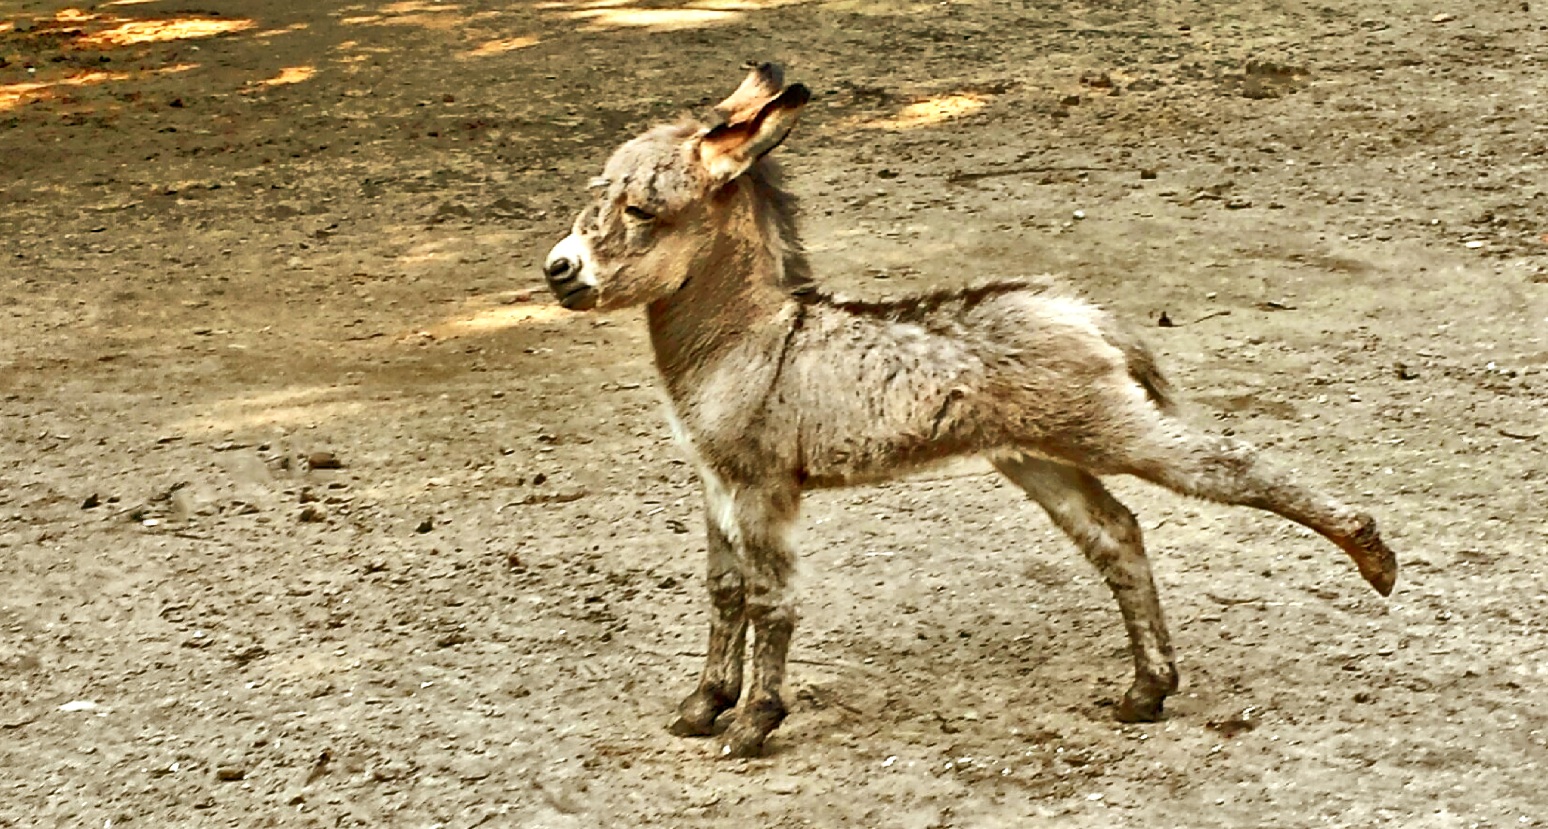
(316, 511)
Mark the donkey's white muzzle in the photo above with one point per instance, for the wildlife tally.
(568, 272)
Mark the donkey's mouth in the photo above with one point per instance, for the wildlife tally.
(581, 298)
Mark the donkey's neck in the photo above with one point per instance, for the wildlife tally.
(739, 291)
(733, 299)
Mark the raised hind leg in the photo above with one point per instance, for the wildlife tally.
(720, 685)
(1216, 468)
(1109, 536)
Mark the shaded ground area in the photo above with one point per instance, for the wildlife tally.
(315, 511)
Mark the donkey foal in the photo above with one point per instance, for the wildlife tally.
(776, 388)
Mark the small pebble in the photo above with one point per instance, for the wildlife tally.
(783, 785)
(323, 460)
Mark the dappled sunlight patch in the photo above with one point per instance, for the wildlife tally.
(427, 252)
(354, 52)
(16, 94)
(489, 314)
(743, 5)
(131, 2)
(929, 112)
(498, 319)
(412, 6)
(136, 32)
(293, 406)
(659, 17)
(411, 13)
(74, 16)
(655, 20)
(290, 75)
(294, 27)
(500, 47)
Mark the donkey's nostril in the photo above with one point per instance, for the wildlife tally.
(559, 269)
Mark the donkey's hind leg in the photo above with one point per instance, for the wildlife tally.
(1110, 538)
(1228, 471)
(720, 686)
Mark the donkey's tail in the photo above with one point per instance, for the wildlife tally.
(1142, 367)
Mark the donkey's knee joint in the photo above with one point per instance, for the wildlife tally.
(727, 590)
(766, 614)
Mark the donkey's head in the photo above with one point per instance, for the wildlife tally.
(666, 198)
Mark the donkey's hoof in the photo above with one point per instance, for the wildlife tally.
(685, 727)
(743, 739)
(751, 728)
(1377, 563)
(1139, 707)
(697, 714)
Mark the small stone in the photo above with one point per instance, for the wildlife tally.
(1148, 174)
(312, 515)
(1443, 17)
(230, 773)
(425, 526)
(92, 501)
(1079, 214)
(323, 460)
(395, 770)
(783, 785)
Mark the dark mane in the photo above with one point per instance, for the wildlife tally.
(767, 180)
(920, 306)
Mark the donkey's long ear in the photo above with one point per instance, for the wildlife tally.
(728, 150)
(762, 84)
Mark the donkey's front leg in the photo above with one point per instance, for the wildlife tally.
(721, 683)
(763, 521)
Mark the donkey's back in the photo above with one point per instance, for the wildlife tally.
(876, 389)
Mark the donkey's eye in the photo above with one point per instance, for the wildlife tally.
(638, 213)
